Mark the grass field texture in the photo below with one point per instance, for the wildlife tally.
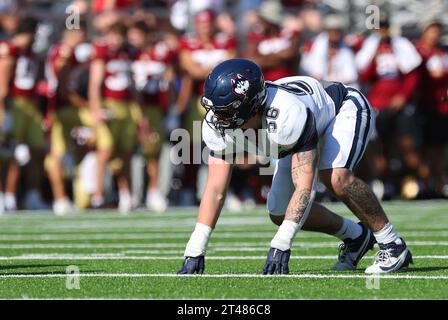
(137, 256)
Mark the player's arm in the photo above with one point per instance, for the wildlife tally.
(6, 69)
(219, 174)
(194, 69)
(96, 77)
(303, 168)
(272, 59)
(304, 159)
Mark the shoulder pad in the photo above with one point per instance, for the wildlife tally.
(290, 118)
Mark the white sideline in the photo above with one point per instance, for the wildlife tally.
(118, 256)
(243, 275)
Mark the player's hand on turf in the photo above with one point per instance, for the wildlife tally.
(193, 265)
(277, 262)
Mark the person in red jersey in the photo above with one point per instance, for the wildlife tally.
(68, 111)
(18, 67)
(110, 98)
(153, 76)
(199, 52)
(390, 65)
(432, 102)
(274, 50)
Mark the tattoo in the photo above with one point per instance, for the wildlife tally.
(364, 204)
(298, 205)
(304, 167)
(306, 163)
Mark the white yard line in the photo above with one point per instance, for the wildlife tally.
(243, 275)
(215, 246)
(167, 235)
(120, 256)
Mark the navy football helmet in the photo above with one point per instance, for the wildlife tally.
(234, 91)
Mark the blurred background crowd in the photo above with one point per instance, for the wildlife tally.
(90, 91)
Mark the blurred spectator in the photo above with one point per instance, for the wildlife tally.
(9, 18)
(183, 13)
(153, 75)
(328, 57)
(110, 97)
(268, 45)
(389, 64)
(19, 66)
(73, 128)
(199, 53)
(433, 104)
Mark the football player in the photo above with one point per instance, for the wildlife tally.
(68, 110)
(110, 98)
(153, 76)
(293, 113)
(19, 67)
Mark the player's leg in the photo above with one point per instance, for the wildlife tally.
(66, 118)
(35, 171)
(125, 138)
(105, 147)
(152, 147)
(344, 144)
(13, 174)
(19, 120)
(320, 219)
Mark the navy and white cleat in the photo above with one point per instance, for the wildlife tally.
(352, 250)
(390, 258)
(193, 265)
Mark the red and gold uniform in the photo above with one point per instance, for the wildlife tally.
(27, 118)
(149, 70)
(117, 97)
(66, 116)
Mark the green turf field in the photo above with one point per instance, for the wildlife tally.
(137, 256)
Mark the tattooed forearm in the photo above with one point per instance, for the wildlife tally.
(304, 163)
(298, 205)
(364, 204)
(303, 169)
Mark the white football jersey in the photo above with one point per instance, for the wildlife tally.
(297, 111)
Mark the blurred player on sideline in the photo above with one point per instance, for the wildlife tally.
(274, 50)
(68, 111)
(199, 53)
(153, 76)
(110, 97)
(433, 104)
(18, 67)
(390, 65)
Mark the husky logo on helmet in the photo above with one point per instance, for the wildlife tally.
(240, 85)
